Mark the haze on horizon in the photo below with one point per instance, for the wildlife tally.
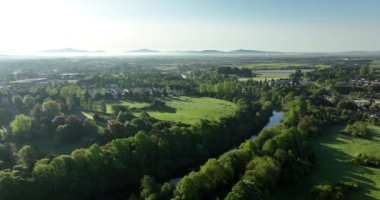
(121, 25)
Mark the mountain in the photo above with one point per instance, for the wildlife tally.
(211, 51)
(245, 51)
(143, 51)
(71, 50)
(238, 51)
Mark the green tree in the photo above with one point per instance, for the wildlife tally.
(149, 187)
(265, 170)
(51, 108)
(37, 112)
(17, 101)
(363, 72)
(27, 156)
(29, 101)
(70, 103)
(89, 127)
(103, 106)
(21, 126)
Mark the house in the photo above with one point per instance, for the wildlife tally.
(284, 83)
(329, 98)
(71, 76)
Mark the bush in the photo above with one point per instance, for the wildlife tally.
(119, 108)
(329, 191)
(89, 127)
(357, 129)
(125, 116)
(366, 160)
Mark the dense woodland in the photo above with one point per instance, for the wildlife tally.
(128, 150)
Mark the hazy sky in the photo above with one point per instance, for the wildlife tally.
(119, 25)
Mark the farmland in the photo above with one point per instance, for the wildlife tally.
(284, 65)
(274, 74)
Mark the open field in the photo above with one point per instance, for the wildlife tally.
(190, 109)
(283, 65)
(375, 64)
(332, 150)
(273, 74)
(182, 109)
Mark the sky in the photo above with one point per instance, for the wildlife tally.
(166, 25)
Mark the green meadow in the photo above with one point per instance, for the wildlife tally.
(283, 65)
(332, 151)
(375, 64)
(183, 109)
(191, 109)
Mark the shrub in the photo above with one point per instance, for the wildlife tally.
(357, 129)
(119, 108)
(329, 191)
(366, 160)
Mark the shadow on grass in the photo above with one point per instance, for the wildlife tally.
(373, 135)
(163, 109)
(175, 98)
(334, 168)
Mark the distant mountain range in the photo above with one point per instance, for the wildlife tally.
(233, 52)
(71, 50)
(143, 51)
(238, 51)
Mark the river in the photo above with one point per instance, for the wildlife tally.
(275, 119)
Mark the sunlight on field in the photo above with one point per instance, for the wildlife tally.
(190, 109)
(334, 148)
(283, 65)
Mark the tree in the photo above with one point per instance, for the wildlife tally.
(70, 103)
(51, 108)
(89, 127)
(125, 116)
(148, 187)
(37, 112)
(103, 106)
(29, 101)
(363, 71)
(71, 131)
(27, 156)
(119, 108)
(21, 126)
(5, 115)
(17, 101)
(244, 189)
(265, 170)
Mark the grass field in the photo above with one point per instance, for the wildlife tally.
(332, 150)
(283, 65)
(375, 64)
(190, 109)
(274, 74)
